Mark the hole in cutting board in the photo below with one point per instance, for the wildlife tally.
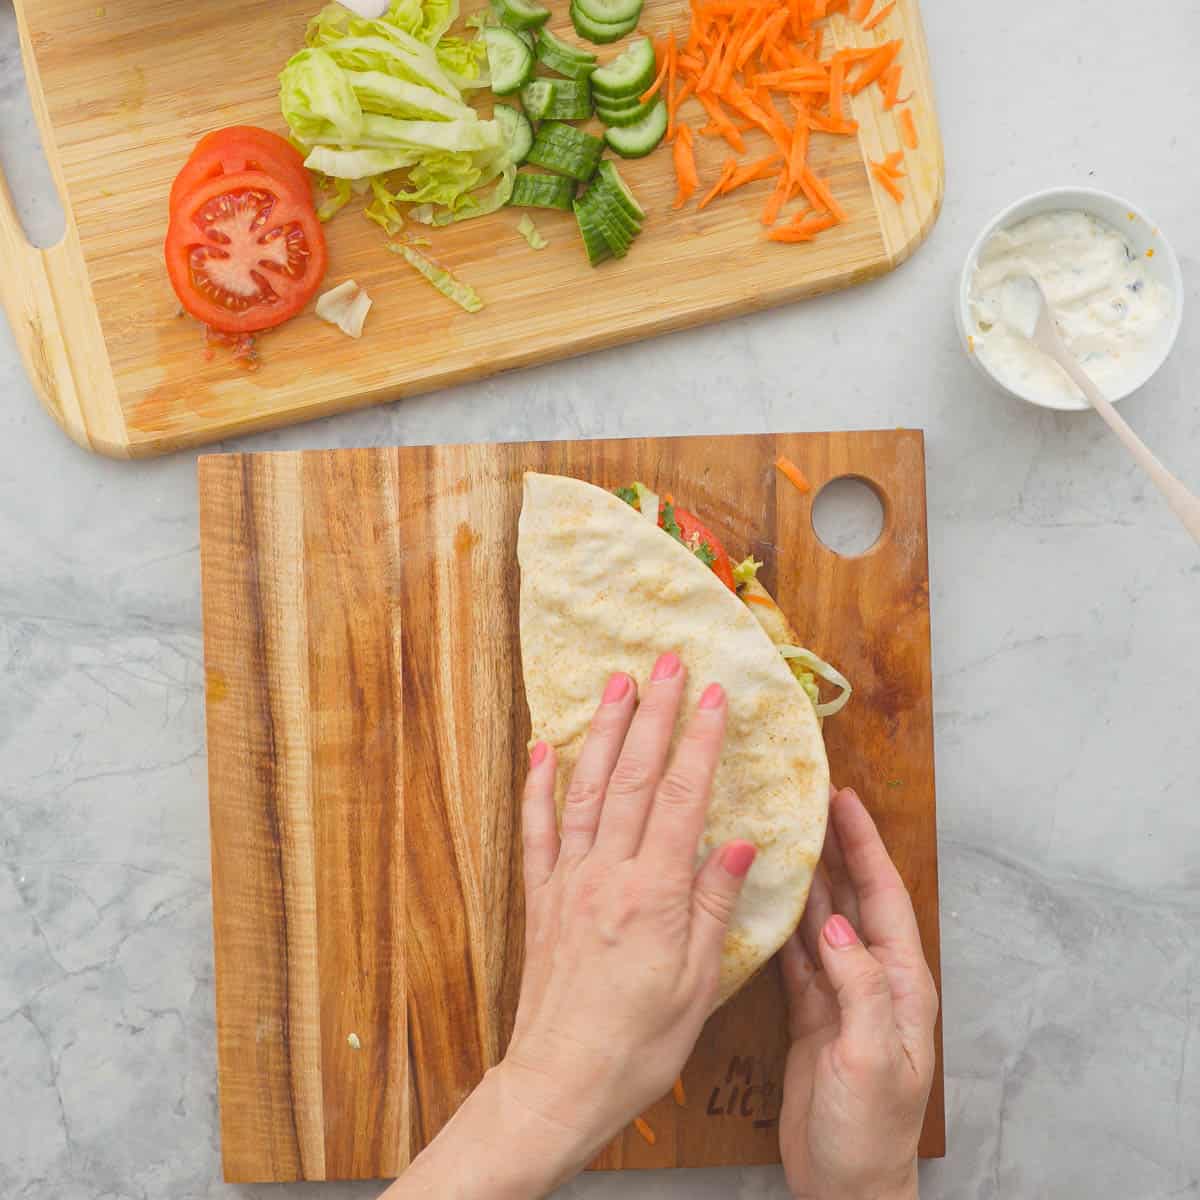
(847, 516)
(22, 159)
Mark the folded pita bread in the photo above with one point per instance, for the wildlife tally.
(603, 589)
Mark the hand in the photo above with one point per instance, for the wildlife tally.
(623, 934)
(861, 1020)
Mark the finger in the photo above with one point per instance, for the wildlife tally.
(883, 901)
(585, 793)
(845, 898)
(864, 996)
(681, 799)
(539, 828)
(641, 762)
(817, 911)
(717, 886)
(811, 1006)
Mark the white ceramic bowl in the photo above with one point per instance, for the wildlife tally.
(1143, 235)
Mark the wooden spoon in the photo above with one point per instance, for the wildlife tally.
(1026, 310)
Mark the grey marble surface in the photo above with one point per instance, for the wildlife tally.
(1066, 648)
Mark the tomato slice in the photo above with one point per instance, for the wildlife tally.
(695, 535)
(244, 252)
(241, 148)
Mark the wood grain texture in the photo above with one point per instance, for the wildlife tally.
(367, 732)
(121, 100)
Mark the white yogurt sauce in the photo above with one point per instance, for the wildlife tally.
(1111, 312)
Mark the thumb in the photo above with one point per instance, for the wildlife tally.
(863, 993)
(716, 890)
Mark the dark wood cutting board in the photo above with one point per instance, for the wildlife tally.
(366, 740)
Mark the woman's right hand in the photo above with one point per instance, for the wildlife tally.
(862, 1007)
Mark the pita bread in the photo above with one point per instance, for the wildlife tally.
(603, 590)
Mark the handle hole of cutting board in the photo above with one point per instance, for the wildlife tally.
(22, 156)
(848, 515)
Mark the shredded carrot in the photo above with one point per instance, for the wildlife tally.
(726, 174)
(661, 77)
(740, 59)
(888, 183)
(777, 199)
(685, 166)
(644, 1129)
(890, 82)
(792, 473)
(881, 15)
(756, 170)
(754, 597)
(908, 129)
(874, 67)
(680, 1094)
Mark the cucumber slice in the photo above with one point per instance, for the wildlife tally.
(557, 55)
(571, 101)
(551, 41)
(629, 115)
(629, 74)
(610, 179)
(542, 191)
(565, 149)
(611, 12)
(617, 236)
(537, 96)
(517, 130)
(522, 14)
(600, 32)
(509, 60)
(593, 237)
(636, 141)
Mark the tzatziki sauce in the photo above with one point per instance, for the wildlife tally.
(1110, 310)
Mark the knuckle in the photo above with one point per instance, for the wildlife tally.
(716, 904)
(582, 794)
(630, 777)
(676, 790)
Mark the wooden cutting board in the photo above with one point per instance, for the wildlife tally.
(122, 90)
(366, 739)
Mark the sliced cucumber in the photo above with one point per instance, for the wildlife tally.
(600, 32)
(542, 191)
(636, 141)
(594, 241)
(571, 101)
(618, 236)
(565, 149)
(609, 177)
(620, 228)
(537, 96)
(509, 60)
(522, 14)
(557, 55)
(626, 115)
(610, 12)
(517, 130)
(629, 74)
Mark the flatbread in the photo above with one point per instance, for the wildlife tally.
(603, 590)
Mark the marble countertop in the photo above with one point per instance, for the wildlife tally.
(1066, 646)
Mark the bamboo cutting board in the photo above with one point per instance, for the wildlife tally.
(366, 740)
(122, 90)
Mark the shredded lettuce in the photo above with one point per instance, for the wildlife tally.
(809, 665)
(647, 502)
(746, 570)
(453, 289)
(333, 203)
(370, 97)
(530, 232)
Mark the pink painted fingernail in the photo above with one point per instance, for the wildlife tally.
(712, 696)
(667, 666)
(616, 688)
(738, 857)
(839, 933)
(538, 755)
